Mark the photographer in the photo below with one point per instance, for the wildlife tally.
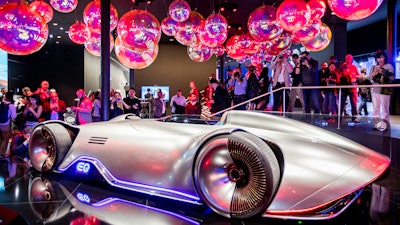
(309, 73)
(382, 73)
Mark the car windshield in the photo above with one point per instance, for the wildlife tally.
(192, 119)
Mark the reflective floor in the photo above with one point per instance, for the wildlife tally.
(30, 198)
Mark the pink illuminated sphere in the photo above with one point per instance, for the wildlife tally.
(213, 31)
(321, 41)
(179, 10)
(64, 6)
(79, 33)
(2, 2)
(93, 44)
(44, 9)
(135, 58)
(262, 23)
(307, 33)
(199, 53)
(92, 16)
(219, 50)
(188, 29)
(355, 9)
(169, 26)
(22, 30)
(293, 14)
(282, 42)
(318, 8)
(139, 29)
(232, 48)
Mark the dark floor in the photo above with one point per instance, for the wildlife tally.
(30, 198)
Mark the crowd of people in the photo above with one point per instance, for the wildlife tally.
(300, 71)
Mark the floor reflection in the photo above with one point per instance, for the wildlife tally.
(52, 199)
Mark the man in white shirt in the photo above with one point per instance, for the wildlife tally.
(178, 103)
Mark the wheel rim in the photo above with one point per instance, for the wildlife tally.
(233, 178)
(43, 150)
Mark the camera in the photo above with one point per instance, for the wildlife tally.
(302, 59)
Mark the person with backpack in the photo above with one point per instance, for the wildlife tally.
(8, 112)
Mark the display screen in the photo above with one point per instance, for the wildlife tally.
(3, 69)
(153, 90)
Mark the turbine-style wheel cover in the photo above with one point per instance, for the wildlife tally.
(48, 145)
(237, 175)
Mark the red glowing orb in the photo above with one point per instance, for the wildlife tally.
(64, 6)
(44, 9)
(79, 33)
(263, 25)
(293, 14)
(22, 30)
(92, 16)
(354, 9)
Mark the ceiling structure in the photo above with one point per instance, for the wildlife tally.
(59, 25)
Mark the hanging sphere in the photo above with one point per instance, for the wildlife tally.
(307, 33)
(92, 16)
(139, 29)
(135, 58)
(199, 53)
(232, 48)
(318, 8)
(219, 50)
(293, 14)
(282, 42)
(169, 26)
(79, 33)
(321, 41)
(44, 9)
(64, 6)
(262, 23)
(93, 44)
(22, 30)
(213, 31)
(179, 10)
(3, 2)
(188, 29)
(355, 9)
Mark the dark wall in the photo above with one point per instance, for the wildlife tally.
(61, 65)
(370, 38)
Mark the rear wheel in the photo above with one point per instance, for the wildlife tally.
(48, 145)
(237, 175)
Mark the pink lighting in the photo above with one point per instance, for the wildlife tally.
(233, 50)
(169, 26)
(307, 33)
(139, 29)
(293, 14)
(179, 10)
(92, 17)
(79, 33)
(318, 8)
(93, 44)
(44, 9)
(354, 9)
(135, 58)
(64, 6)
(213, 31)
(321, 41)
(262, 23)
(22, 30)
(199, 53)
(187, 30)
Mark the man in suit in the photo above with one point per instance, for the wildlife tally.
(220, 99)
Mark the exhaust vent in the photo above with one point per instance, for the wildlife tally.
(97, 140)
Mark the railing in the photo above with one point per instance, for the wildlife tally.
(340, 87)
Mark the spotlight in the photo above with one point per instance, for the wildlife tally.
(228, 6)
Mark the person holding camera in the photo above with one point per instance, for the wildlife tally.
(309, 77)
(382, 73)
(281, 78)
(117, 105)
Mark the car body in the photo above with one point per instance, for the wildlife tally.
(247, 163)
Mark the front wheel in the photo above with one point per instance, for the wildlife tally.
(237, 175)
(47, 146)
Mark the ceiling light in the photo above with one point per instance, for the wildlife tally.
(61, 28)
(59, 36)
(55, 24)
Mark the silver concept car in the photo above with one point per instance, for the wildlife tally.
(245, 164)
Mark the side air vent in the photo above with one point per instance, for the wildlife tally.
(97, 140)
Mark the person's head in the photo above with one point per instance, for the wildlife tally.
(131, 92)
(192, 97)
(179, 93)
(214, 83)
(112, 91)
(252, 69)
(192, 84)
(332, 66)
(3, 90)
(9, 96)
(381, 57)
(160, 94)
(295, 58)
(363, 70)
(80, 93)
(53, 96)
(44, 85)
(117, 95)
(348, 59)
(27, 132)
(26, 91)
(34, 99)
(148, 89)
(333, 59)
(97, 95)
(306, 55)
(324, 65)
